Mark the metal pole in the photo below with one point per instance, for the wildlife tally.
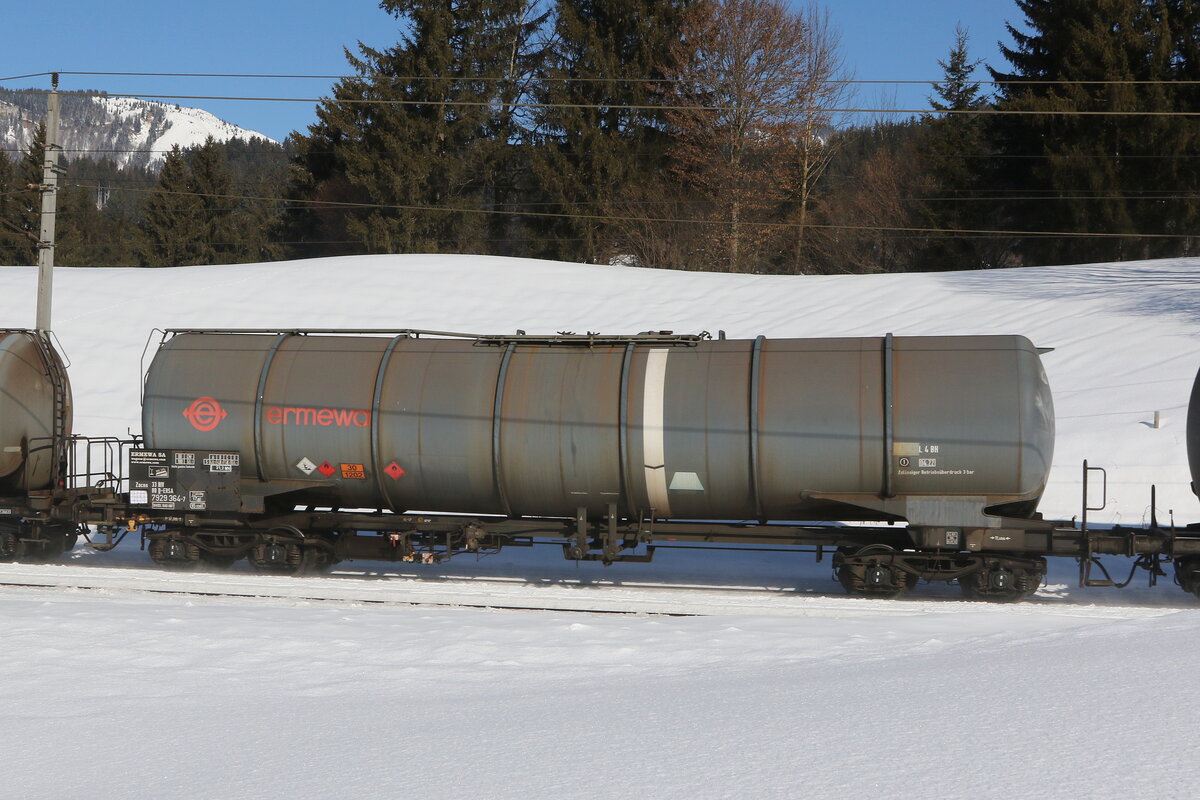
(49, 209)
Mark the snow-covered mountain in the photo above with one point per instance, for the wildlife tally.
(128, 131)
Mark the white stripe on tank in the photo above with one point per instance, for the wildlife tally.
(653, 401)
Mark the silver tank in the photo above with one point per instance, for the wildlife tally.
(666, 427)
(27, 410)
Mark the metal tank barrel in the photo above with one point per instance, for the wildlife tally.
(1193, 435)
(658, 426)
(35, 406)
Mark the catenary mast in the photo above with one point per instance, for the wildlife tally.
(49, 190)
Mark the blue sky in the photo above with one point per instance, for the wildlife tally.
(882, 40)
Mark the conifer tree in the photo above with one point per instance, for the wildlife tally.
(89, 235)
(599, 141)
(13, 244)
(194, 216)
(1100, 173)
(427, 132)
(96, 217)
(209, 181)
(958, 91)
(24, 204)
(171, 216)
(954, 149)
(1176, 55)
(257, 172)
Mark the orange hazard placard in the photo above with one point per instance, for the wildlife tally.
(354, 472)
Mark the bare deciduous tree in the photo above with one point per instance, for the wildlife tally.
(652, 223)
(874, 218)
(825, 87)
(753, 97)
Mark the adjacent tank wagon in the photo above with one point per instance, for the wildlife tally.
(924, 429)
(35, 409)
(1193, 435)
(35, 426)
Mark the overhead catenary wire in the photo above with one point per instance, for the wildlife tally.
(121, 181)
(17, 231)
(23, 77)
(442, 103)
(281, 149)
(603, 79)
(533, 105)
(120, 184)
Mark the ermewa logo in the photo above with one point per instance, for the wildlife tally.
(325, 417)
(205, 414)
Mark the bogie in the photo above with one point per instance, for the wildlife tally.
(174, 552)
(1003, 580)
(1187, 574)
(279, 556)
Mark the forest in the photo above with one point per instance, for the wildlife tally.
(684, 134)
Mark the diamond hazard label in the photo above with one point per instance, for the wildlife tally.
(327, 469)
(306, 466)
(394, 470)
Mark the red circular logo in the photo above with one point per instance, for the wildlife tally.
(205, 414)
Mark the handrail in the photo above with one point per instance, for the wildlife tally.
(563, 337)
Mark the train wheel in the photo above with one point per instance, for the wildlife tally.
(8, 543)
(1187, 574)
(284, 555)
(1002, 582)
(45, 544)
(317, 560)
(872, 572)
(174, 554)
(276, 558)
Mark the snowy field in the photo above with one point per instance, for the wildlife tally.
(781, 687)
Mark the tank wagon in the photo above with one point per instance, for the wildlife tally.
(1187, 569)
(35, 423)
(605, 442)
(659, 427)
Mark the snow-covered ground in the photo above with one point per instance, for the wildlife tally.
(784, 689)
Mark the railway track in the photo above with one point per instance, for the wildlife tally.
(517, 593)
(324, 599)
(368, 586)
